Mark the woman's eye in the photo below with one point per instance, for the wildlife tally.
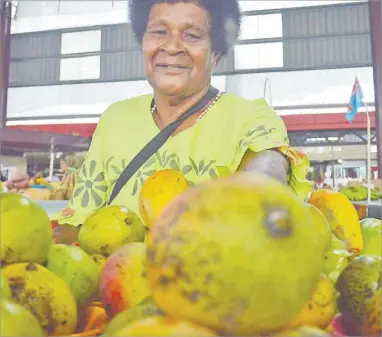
(159, 32)
(191, 36)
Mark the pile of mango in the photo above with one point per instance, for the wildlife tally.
(240, 255)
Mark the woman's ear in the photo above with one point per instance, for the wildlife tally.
(215, 59)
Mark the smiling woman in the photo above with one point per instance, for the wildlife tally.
(190, 126)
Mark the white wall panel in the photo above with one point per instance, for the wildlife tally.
(256, 5)
(261, 26)
(81, 42)
(34, 16)
(305, 87)
(259, 56)
(77, 100)
(288, 89)
(80, 68)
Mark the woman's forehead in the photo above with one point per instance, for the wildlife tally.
(185, 13)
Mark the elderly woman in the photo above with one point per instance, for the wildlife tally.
(182, 42)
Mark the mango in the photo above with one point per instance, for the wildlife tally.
(123, 282)
(337, 243)
(320, 309)
(94, 317)
(303, 331)
(322, 224)
(47, 296)
(109, 228)
(335, 262)
(212, 255)
(164, 326)
(99, 260)
(357, 285)
(77, 269)
(371, 233)
(5, 290)
(18, 321)
(341, 215)
(25, 231)
(371, 322)
(125, 318)
(158, 191)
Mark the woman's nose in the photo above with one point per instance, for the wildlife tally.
(173, 45)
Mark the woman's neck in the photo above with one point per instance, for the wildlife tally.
(170, 108)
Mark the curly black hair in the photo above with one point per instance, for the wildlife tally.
(224, 16)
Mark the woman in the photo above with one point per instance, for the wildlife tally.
(182, 41)
(69, 167)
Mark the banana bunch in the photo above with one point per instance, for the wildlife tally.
(64, 192)
(359, 193)
(375, 194)
(355, 193)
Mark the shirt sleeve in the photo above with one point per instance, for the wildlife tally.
(90, 191)
(263, 130)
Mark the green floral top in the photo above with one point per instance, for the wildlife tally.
(212, 148)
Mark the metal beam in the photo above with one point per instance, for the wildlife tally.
(327, 138)
(375, 11)
(5, 33)
(41, 140)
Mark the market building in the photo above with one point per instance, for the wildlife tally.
(70, 60)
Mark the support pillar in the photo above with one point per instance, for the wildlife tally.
(375, 12)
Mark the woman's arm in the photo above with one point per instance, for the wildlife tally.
(89, 193)
(269, 162)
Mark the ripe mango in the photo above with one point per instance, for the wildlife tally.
(341, 215)
(123, 282)
(320, 309)
(212, 255)
(158, 191)
(45, 294)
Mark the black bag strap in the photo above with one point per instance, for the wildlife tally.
(156, 143)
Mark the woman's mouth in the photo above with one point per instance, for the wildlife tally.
(167, 67)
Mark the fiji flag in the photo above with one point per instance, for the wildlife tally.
(355, 101)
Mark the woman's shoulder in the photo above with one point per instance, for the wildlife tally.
(243, 105)
(127, 107)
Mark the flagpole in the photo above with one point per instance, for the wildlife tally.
(267, 84)
(368, 152)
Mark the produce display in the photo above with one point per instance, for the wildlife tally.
(240, 255)
(359, 193)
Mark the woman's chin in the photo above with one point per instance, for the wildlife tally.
(170, 89)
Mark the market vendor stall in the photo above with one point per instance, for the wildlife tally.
(156, 272)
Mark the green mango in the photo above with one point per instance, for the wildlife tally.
(147, 308)
(17, 320)
(357, 285)
(337, 243)
(77, 269)
(371, 234)
(336, 260)
(5, 290)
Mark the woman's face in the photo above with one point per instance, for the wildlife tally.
(177, 49)
(63, 166)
